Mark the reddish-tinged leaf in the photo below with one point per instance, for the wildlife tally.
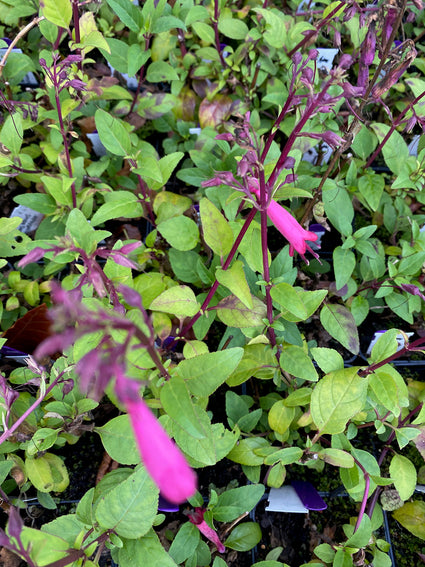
(213, 113)
(30, 330)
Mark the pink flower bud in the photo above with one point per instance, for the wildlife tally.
(197, 518)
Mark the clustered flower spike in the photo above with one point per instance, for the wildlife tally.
(162, 458)
(197, 518)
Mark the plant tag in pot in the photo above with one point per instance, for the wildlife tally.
(30, 219)
(285, 499)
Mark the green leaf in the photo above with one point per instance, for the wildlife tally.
(209, 450)
(160, 71)
(403, 473)
(118, 204)
(362, 536)
(395, 150)
(180, 232)
(359, 309)
(244, 536)
(385, 346)
(364, 143)
(177, 402)
(244, 452)
(337, 458)
(43, 548)
(12, 133)
(178, 300)
(129, 14)
(340, 324)
(285, 456)
(217, 232)
(335, 200)
(5, 467)
(310, 299)
(385, 391)
(233, 28)
(112, 133)
(47, 473)
(232, 503)
(206, 372)
(290, 300)
(235, 280)
(297, 362)
(234, 313)
(344, 262)
(59, 12)
(118, 439)
(185, 542)
(337, 398)
(40, 202)
(129, 508)
(332, 7)
(135, 551)
(371, 187)
(324, 552)
(328, 359)
(412, 517)
(281, 417)
(137, 57)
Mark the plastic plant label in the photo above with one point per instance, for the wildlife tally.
(29, 80)
(132, 82)
(30, 219)
(400, 341)
(285, 499)
(312, 154)
(326, 57)
(98, 148)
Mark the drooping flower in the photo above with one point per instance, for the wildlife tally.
(197, 518)
(291, 229)
(163, 460)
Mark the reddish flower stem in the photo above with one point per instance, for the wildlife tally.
(215, 285)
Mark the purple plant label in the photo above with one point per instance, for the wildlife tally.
(309, 495)
(165, 506)
(30, 219)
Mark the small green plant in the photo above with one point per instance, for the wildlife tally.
(169, 147)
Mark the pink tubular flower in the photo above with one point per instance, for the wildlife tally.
(197, 518)
(291, 229)
(162, 458)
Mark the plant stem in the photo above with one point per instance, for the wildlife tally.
(393, 126)
(265, 255)
(308, 112)
(365, 496)
(215, 285)
(6, 434)
(76, 22)
(21, 34)
(217, 37)
(64, 137)
(141, 76)
(310, 35)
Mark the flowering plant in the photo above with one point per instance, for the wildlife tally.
(167, 147)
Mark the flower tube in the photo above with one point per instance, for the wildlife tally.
(291, 229)
(162, 458)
